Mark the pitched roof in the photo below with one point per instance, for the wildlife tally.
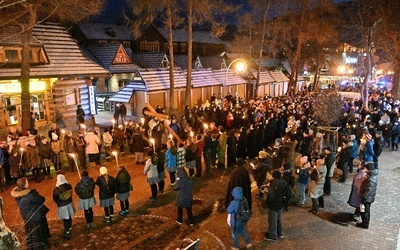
(65, 57)
(204, 78)
(180, 35)
(104, 54)
(105, 31)
(158, 79)
(232, 78)
(10, 35)
(148, 59)
(265, 76)
(125, 93)
(278, 76)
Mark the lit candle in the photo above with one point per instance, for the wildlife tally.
(113, 123)
(115, 153)
(20, 160)
(76, 164)
(191, 134)
(205, 126)
(62, 137)
(154, 146)
(84, 128)
(142, 120)
(170, 136)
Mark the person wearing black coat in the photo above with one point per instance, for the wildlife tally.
(123, 188)
(33, 211)
(367, 193)
(184, 197)
(239, 177)
(62, 196)
(231, 142)
(242, 144)
(107, 189)
(85, 191)
(379, 144)
(343, 159)
(260, 171)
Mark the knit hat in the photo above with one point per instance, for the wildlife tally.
(262, 155)
(103, 171)
(61, 180)
(352, 137)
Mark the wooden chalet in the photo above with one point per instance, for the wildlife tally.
(61, 77)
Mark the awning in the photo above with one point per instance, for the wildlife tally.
(125, 94)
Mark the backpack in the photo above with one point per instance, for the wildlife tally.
(287, 196)
(243, 214)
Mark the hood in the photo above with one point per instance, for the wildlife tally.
(182, 174)
(17, 193)
(61, 180)
(237, 193)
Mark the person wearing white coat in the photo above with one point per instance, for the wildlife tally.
(92, 147)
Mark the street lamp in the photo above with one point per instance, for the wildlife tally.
(240, 67)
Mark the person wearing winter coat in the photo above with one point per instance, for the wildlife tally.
(316, 187)
(354, 198)
(353, 152)
(304, 174)
(367, 193)
(161, 169)
(237, 226)
(70, 149)
(33, 211)
(239, 177)
(81, 147)
(330, 160)
(32, 158)
(343, 159)
(275, 207)
(107, 189)
(138, 145)
(119, 137)
(184, 196)
(260, 171)
(368, 149)
(107, 142)
(123, 189)
(170, 160)
(92, 149)
(199, 154)
(395, 133)
(317, 146)
(181, 156)
(231, 143)
(242, 143)
(221, 148)
(85, 191)
(56, 151)
(150, 171)
(45, 154)
(62, 196)
(190, 155)
(379, 144)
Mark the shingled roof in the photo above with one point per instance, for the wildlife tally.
(105, 31)
(148, 59)
(104, 54)
(65, 57)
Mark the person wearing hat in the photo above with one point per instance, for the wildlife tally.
(45, 154)
(53, 129)
(119, 138)
(107, 189)
(260, 171)
(81, 148)
(316, 187)
(70, 149)
(56, 151)
(304, 174)
(85, 191)
(62, 196)
(354, 198)
(330, 161)
(80, 116)
(36, 227)
(150, 170)
(239, 177)
(367, 193)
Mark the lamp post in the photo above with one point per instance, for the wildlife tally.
(240, 67)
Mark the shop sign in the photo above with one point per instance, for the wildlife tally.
(92, 100)
(16, 87)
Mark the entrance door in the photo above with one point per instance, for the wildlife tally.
(38, 106)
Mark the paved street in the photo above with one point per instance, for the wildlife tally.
(151, 225)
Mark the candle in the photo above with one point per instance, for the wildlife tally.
(205, 125)
(76, 164)
(84, 128)
(170, 136)
(154, 146)
(142, 120)
(191, 134)
(20, 160)
(62, 137)
(115, 153)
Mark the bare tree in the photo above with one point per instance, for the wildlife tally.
(25, 15)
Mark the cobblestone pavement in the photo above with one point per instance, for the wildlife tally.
(151, 225)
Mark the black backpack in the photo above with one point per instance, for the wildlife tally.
(244, 213)
(287, 196)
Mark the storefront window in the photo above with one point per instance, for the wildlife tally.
(38, 106)
(11, 107)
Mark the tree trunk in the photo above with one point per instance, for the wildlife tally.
(316, 74)
(367, 77)
(171, 58)
(25, 68)
(261, 51)
(395, 82)
(189, 56)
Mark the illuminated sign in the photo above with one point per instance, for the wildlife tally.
(92, 100)
(16, 87)
(121, 56)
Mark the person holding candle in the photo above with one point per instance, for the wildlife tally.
(119, 137)
(81, 146)
(54, 129)
(70, 148)
(92, 149)
(190, 156)
(138, 145)
(33, 159)
(56, 148)
(123, 189)
(80, 116)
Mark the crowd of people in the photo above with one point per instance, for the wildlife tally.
(278, 136)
